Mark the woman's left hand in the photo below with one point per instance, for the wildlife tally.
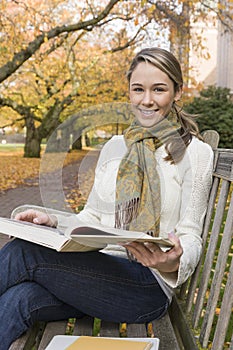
(151, 255)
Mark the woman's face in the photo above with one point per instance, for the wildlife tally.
(151, 94)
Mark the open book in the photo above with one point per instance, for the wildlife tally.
(79, 237)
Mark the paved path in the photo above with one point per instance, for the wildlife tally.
(28, 194)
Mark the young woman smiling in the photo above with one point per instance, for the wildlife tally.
(155, 178)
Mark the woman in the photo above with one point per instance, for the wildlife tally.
(154, 179)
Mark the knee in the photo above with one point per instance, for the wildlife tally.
(17, 305)
(23, 300)
(17, 299)
(17, 254)
(15, 247)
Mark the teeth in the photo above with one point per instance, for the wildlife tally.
(147, 112)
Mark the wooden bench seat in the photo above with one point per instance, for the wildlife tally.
(40, 335)
(200, 316)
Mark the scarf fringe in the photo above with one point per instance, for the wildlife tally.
(126, 212)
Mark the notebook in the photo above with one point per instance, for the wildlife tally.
(66, 342)
(99, 343)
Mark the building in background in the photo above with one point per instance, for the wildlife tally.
(203, 53)
(211, 62)
(225, 48)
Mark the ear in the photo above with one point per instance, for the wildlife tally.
(178, 94)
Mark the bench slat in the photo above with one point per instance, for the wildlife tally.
(231, 346)
(224, 164)
(210, 252)
(27, 340)
(52, 329)
(109, 329)
(163, 330)
(19, 344)
(218, 276)
(211, 137)
(136, 330)
(84, 326)
(195, 277)
(181, 326)
(225, 314)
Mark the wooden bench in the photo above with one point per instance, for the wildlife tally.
(200, 315)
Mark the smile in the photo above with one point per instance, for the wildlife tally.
(147, 112)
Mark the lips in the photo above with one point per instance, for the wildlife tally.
(148, 113)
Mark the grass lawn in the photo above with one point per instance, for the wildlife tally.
(11, 148)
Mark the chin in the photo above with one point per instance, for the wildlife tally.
(146, 124)
(149, 123)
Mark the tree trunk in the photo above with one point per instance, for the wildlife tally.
(32, 147)
(77, 144)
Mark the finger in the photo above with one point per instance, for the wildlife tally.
(40, 219)
(140, 252)
(152, 247)
(25, 215)
(173, 238)
(133, 246)
(18, 216)
(177, 249)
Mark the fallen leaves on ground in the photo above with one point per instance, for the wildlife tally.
(78, 194)
(16, 170)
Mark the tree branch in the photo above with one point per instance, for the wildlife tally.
(22, 56)
(24, 111)
(12, 123)
(56, 45)
(223, 16)
(131, 41)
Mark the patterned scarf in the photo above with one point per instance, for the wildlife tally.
(138, 202)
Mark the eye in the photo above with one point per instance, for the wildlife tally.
(158, 89)
(137, 89)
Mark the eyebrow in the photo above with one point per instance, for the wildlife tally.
(155, 84)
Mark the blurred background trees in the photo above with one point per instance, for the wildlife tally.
(60, 57)
(214, 107)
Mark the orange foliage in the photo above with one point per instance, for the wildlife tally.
(16, 170)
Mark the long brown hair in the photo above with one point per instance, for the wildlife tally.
(167, 62)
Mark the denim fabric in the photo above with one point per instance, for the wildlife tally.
(37, 283)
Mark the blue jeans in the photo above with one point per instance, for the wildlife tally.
(37, 283)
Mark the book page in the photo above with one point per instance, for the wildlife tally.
(93, 236)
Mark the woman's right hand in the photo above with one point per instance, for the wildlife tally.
(37, 217)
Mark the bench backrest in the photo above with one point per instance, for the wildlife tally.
(209, 296)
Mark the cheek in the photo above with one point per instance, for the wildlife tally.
(165, 102)
(134, 98)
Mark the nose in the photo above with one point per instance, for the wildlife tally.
(147, 98)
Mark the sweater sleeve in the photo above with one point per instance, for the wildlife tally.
(194, 199)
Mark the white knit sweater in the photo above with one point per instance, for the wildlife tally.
(184, 194)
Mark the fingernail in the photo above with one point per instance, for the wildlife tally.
(171, 234)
